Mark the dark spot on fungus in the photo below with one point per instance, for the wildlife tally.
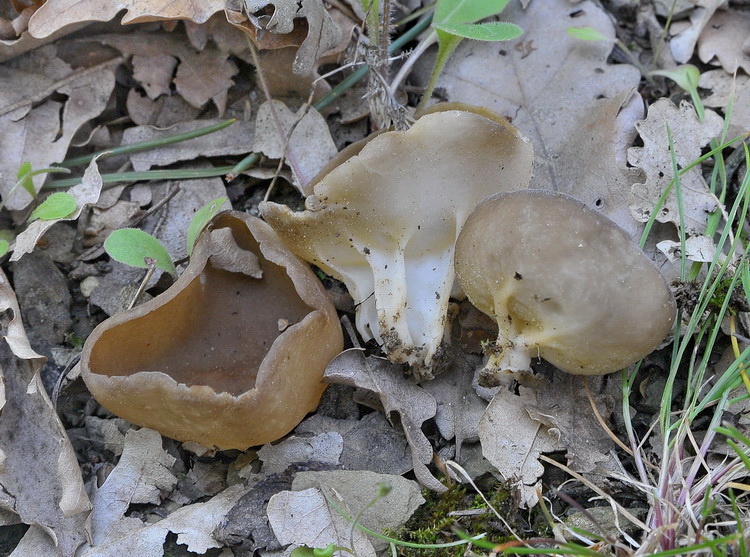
(518, 276)
(366, 251)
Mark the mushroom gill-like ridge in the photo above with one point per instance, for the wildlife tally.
(563, 282)
(385, 216)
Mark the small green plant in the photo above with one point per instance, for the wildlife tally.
(453, 21)
(57, 206)
(137, 248)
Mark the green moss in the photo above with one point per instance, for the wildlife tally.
(433, 522)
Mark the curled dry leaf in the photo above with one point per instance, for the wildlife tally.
(725, 88)
(398, 395)
(86, 193)
(727, 38)
(323, 32)
(303, 138)
(689, 135)
(33, 440)
(313, 523)
(37, 128)
(682, 45)
(55, 14)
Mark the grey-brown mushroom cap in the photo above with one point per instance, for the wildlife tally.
(208, 360)
(563, 282)
(386, 218)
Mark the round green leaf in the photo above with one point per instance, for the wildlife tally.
(492, 31)
(200, 220)
(4, 246)
(57, 206)
(137, 248)
(586, 34)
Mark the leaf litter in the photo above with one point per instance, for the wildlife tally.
(581, 112)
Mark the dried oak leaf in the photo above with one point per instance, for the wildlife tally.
(86, 193)
(36, 128)
(459, 408)
(689, 135)
(303, 138)
(141, 476)
(402, 401)
(725, 87)
(682, 44)
(512, 441)
(727, 38)
(202, 75)
(323, 33)
(236, 139)
(55, 14)
(556, 90)
(369, 444)
(33, 443)
(305, 518)
(354, 490)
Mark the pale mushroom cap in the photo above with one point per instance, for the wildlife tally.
(563, 282)
(207, 361)
(386, 219)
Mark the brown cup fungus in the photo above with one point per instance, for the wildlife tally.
(384, 218)
(563, 282)
(232, 355)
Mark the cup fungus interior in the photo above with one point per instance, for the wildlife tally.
(213, 344)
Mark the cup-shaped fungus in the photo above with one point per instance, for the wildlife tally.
(563, 282)
(385, 220)
(232, 355)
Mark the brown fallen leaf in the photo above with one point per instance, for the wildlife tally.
(724, 87)
(459, 408)
(55, 14)
(513, 441)
(236, 139)
(85, 193)
(323, 33)
(402, 401)
(307, 150)
(202, 75)
(33, 443)
(726, 38)
(686, 33)
(548, 83)
(689, 135)
(36, 128)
